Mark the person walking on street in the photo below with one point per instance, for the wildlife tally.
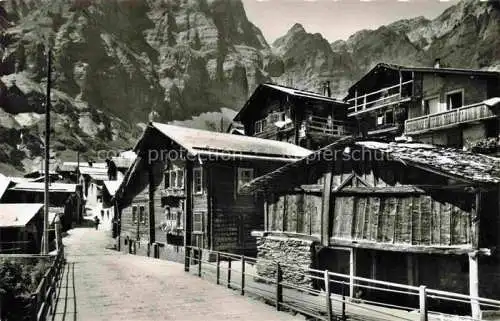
(96, 222)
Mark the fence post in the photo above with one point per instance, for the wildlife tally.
(218, 268)
(242, 275)
(423, 303)
(279, 287)
(200, 255)
(186, 259)
(327, 296)
(34, 307)
(229, 272)
(343, 301)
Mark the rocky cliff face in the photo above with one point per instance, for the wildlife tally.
(116, 60)
(465, 35)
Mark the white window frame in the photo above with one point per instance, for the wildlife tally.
(451, 92)
(180, 171)
(239, 175)
(200, 171)
(200, 222)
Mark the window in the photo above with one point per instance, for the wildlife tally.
(179, 219)
(454, 100)
(245, 175)
(198, 222)
(180, 178)
(386, 118)
(197, 181)
(173, 178)
(431, 106)
(166, 178)
(259, 126)
(389, 117)
(142, 216)
(134, 214)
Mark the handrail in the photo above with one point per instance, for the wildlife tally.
(307, 302)
(381, 90)
(455, 116)
(43, 299)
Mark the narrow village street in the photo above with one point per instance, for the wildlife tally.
(99, 283)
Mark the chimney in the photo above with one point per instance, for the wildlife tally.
(437, 63)
(326, 89)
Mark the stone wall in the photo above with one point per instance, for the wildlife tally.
(294, 253)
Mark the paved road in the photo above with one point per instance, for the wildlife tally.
(102, 284)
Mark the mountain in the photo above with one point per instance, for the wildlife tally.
(465, 35)
(115, 61)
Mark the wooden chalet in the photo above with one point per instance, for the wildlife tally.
(21, 227)
(65, 199)
(299, 117)
(184, 188)
(408, 213)
(436, 105)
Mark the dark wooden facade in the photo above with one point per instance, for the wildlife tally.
(298, 117)
(378, 216)
(442, 106)
(183, 200)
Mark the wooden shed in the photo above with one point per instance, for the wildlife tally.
(402, 212)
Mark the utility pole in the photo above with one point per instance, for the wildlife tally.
(45, 246)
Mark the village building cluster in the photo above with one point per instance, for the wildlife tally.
(397, 181)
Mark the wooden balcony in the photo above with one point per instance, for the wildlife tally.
(381, 98)
(323, 126)
(449, 118)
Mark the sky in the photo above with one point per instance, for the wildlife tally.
(335, 19)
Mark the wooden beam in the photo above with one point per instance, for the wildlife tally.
(475, 221)
(408, 189)
(188, 215)
(474, 286)
(266, 214)
(447, 250)
(352, 271)
(151, 210)
(325, 213)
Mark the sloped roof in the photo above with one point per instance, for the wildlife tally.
(451, 162)
(4, 184)
(16, 179)
(87, 170)
(18, 215)
(40, 187)
(470, 166)
(202, 142)
(287, 90)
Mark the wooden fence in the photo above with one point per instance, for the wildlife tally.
(233, 271)
(42, 301)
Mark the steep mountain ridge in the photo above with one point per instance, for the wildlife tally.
(117, 60)
(465, 35)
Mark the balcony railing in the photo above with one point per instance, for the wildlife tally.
(325, 126)
(381, 98)
(448, 118)
(174, 192)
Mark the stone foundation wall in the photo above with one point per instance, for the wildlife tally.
(294, 253)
